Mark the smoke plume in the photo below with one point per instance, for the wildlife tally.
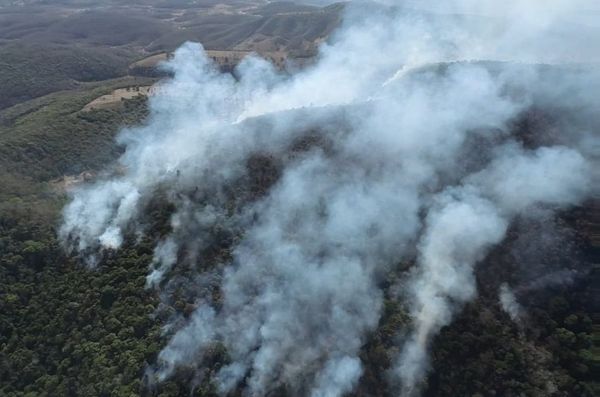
(509, 302)
(397, 145)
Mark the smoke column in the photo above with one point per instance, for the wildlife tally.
(509, 302)
(395, 146)
(465, 221)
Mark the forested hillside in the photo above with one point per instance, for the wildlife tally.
(66, 329)
(46, 339)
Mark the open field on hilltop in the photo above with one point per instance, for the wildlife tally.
(150, 62)
(116, 97)
(226, 59)
(230, 58)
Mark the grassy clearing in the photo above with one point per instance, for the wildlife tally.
(115, 99)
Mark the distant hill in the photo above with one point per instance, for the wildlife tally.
(48, 46)
(29, 70)
(149, 28)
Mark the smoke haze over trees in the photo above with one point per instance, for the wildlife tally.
(312, 233)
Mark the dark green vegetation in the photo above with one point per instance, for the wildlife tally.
(65, 330)
(556, 346)
(56, 139)
(32, 70)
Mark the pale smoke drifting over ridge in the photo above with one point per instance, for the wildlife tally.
(301, 292)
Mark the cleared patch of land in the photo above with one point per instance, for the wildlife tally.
(230, 58)
(224, 58)
(67, 182)
(150, 61)
(116, 97)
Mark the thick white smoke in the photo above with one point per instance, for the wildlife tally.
(385, 150)
(465, 221)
